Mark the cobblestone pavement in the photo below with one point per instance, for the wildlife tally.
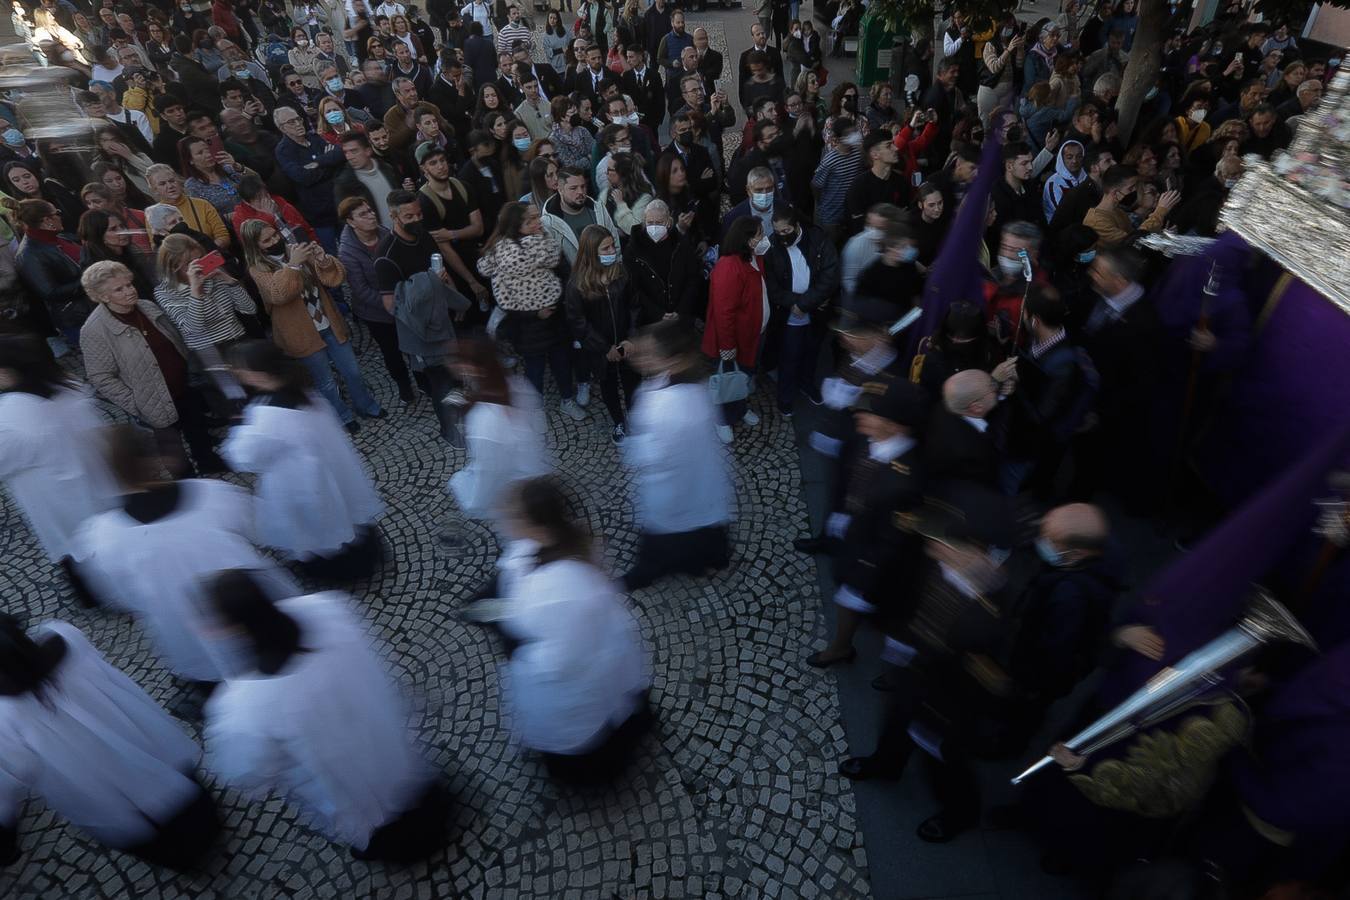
(734, 793)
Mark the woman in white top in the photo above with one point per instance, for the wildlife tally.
(97, 750)
(315, 501)
(504, 428)
(315, 716)
(683, 493)
(576, 683)
(51, 456)
(152, 554)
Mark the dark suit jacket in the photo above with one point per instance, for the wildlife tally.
(697, 160)
(1125, 352)
(480, 55)
(710, 65)
(775, 62)
(955, 450)
(588, 82)
(648, 94)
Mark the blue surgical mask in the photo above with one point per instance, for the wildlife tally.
(241, 73)
(335, 116)
(1087, 256)
(761, 202)
(909, 254)
(13, 137)
(1047, 552)
(334, 85)
(608, 259)
(521, 144)
(1152, 92)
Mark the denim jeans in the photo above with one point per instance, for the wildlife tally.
(797, 358)
(559, 359)
(341, 355)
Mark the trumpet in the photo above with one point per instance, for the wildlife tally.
(1197, 673)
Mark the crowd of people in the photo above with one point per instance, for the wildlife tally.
(232, 196)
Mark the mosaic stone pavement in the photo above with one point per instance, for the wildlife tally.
(734, 793)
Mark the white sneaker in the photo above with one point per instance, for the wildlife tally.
(724, 432)
(750, 418)
(584, 394)
(570, 409)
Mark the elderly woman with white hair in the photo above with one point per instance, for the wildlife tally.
(664, 265)
(135, 359)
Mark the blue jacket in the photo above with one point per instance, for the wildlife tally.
(313, 168)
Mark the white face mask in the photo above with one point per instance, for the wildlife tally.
(1230, 183)
(761, 202)
(852, 139)
(1010, 265)
(763, 246)
(657, 232)
(623, 148)
(302, 43)
(872, 234)
(632, 119)
(1198, 115)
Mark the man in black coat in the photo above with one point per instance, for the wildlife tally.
(643, 83)
(1121, 335)
(1015, 196)
(766, 152)
(1077, 200)
(801, 274)
(959, 445)
(759, 40)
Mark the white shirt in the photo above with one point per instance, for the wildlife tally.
(506, 445)
(890, 449)
(980, 425)
(137, 118)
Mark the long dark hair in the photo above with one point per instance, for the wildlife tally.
(239, 600)
(491, 385)
(509, 221)
(25, 665)
(541, 502)
(676, 339)
(267, 358)
(28, 356)
(93, 227)
(737, 241)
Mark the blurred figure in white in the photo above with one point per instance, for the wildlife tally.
(151, 555)
(504, 427)
(315, 501)
(315, 716)
(682, 480)
(51, 455)
(86, 739)
(576, 683)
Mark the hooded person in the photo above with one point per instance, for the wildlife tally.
(1069, 172)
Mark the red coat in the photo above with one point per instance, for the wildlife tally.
(735, 309)
(911, 145)
(243, 213)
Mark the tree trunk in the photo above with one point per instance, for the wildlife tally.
(1142, 68)
(937, 39)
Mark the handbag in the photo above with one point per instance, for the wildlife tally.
(728, 387)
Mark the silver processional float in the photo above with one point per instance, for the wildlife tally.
(1194, 675)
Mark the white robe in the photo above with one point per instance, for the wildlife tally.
(95, 747)
(581, 668)
(506, 445)
(157, 571)
(51, 459)
(330, 730)
(313, 491)
(682, 478)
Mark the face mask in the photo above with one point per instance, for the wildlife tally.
(302, 43)
(762, 247)
(850, 103)
(686, 139)
(276, 249)
(852, 139)
(334, 85)
(761, 202)
(657, 232)
(1198, 115)
(241, 73)
(1230, 183)
(1087, 256)
(1010, 265)
(872, 234)
(414, 229)
(909, 254)
(797, 34)
(631, 119)
(521, 144)
(793, 116)
(1047, 552)
(13, 137)
(334, 116)
(608, 259)
(1152, 92)
(1218, 49)
(623, 148)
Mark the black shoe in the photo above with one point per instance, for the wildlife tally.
(812, 545)
(867, 768)
(820, 660)
(352, 427)
(940, 829)
(379, 415)
(887, 681)
(408, 396)
(211, 465)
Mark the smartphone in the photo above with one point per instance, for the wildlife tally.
(917, 178)
(210, 262)
(216, 143)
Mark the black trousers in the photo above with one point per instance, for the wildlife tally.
(437, 381)
(608, 758)
(687, 553)
(185, 837)
(616, 377)
(952, 777)
(386, 338)
(191, 426)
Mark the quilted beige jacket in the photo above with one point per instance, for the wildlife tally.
(121, 367)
